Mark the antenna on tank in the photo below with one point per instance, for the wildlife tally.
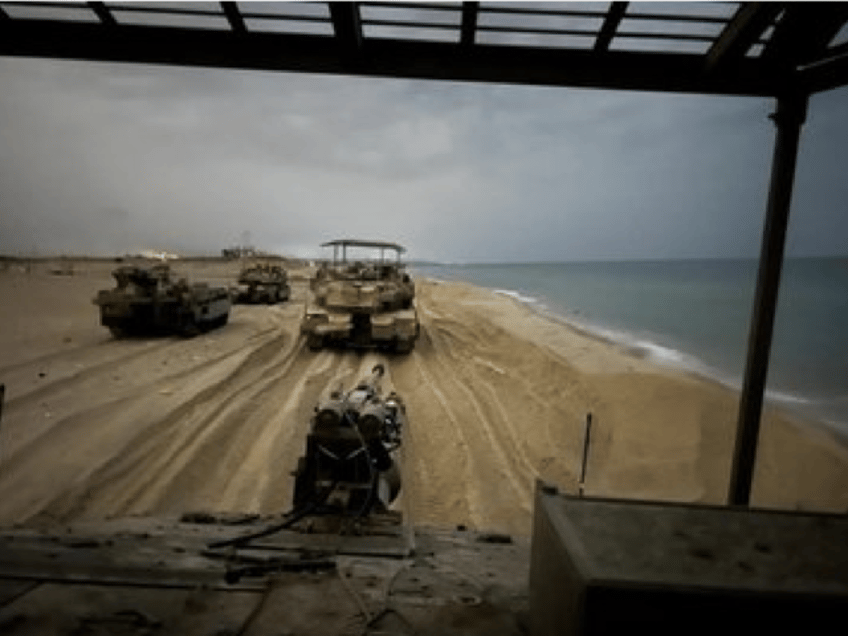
(2, 400)
(581, 485)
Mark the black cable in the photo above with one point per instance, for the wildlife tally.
(372, 494)
(369, 501)
(292, 517)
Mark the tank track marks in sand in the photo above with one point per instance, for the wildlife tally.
(117, 428)
(188, 457)
(482, 432)
(220, 426)
(180, 370)
(130, 362)
(492, 480)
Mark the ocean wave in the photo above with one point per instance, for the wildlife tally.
(665, 351)
(528, 300)
(832, 412)
(666, 355)
(787, 398)
(654, 351)
(639, 345)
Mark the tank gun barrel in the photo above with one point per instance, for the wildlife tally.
(373, 381)
(350, 447)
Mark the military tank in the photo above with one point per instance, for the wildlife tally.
(262, 283)
(362, 303)
(148, 300)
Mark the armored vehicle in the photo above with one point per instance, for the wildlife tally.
(339, 562)
(262, 283)
(349, 465)
(148, 300)
(362, 303)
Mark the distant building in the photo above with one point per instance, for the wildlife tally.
(241, 251)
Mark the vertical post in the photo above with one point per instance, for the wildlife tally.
(790, 115)
(582, 481)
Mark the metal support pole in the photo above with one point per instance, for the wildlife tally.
(790, 115)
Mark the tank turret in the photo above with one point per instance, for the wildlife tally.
(148, 300)
(362, 303)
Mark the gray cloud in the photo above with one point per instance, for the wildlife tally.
(110, 158)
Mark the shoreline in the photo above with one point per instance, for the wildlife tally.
(700, 372)
(798, 405)
(678, 426)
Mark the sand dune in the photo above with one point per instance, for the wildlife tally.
(497, 396)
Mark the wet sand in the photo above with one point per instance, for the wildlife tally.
(497, 396)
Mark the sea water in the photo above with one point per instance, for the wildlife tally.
(696, 314)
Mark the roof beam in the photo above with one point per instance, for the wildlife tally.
(802, 35)
(383, 58)
(826, 75)
(744, 29)
(611, 21)
(103, 14)
(234, 17)
(469, 23)
(347, 25)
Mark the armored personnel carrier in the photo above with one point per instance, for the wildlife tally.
(148, 300)
(362, 303)
(262, 283)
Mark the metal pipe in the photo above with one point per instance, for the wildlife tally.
(790, 116)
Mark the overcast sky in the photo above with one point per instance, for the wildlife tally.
(109, 159)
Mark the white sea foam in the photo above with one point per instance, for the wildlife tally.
(649, 349)
(571, 302)
(644, 347)
(528, 300)
(663, 355)
(673, 358)
(787, 398)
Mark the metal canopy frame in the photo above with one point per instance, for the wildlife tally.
(787, 51)
(382, 246)
(757, 49)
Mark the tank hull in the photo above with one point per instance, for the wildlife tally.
(361, 304)
(154, 305)
(267, 293)
(391, 330)
(262, 284)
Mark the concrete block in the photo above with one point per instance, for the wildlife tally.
(601, 566)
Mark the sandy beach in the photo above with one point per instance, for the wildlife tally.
(497, 396)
